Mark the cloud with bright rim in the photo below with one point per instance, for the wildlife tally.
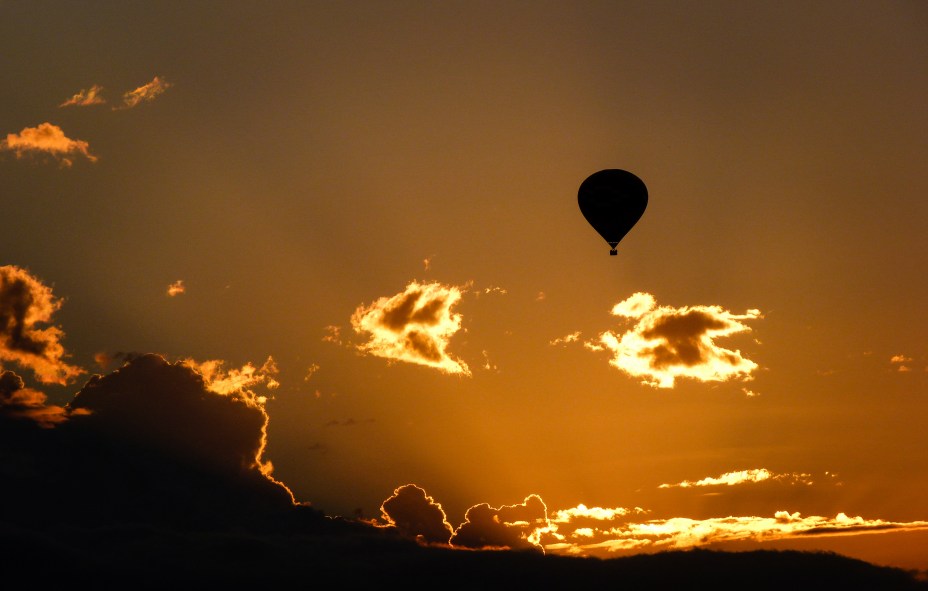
(742, 477)
(86, 97)
(516, 526)
(25, 305)
(18, 401)
(47, 139)
(667, 343)
(415, 326)
(611, 532)
(145, 93)
(416, 515)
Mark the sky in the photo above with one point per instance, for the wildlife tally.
(358, 222)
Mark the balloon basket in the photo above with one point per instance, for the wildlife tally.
(613, 252)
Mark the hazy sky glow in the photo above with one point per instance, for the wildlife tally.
(335, 250)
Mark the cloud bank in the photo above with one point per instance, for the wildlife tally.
(414, 326)
(667, 343)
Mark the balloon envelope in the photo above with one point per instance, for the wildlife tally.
(612, 201)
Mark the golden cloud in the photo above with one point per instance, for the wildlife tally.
(49, 140)
(176, 288)
(667, 343)
(415, 326)
(145, 93)
(25, 303)
(86, 98)
(236, 380)
(742, 477)
(608, 532)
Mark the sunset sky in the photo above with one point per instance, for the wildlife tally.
(366, 213)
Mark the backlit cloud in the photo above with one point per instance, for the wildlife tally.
(25, 304)
(145, 93)
(416, 515)
(86, 97)
(176, 288)
(210, 419)
(17, 401)
(415, 326)
(48, 140)
(516, 527)
(239, 381)
(606, 533)
(742, 477)
(667, 343)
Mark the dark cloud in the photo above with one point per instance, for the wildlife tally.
(17, 401)
(26, 304)
(156, 479)
(510, 526)
(416, 515)
(149, 442)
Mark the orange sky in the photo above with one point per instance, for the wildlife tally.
(366, 215)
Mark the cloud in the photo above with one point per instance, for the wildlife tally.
(236, 380)
(26, 303)
(516, 527)
(668, 343)
(176, 288)
(86, 98)
(47, 140)
(742, 477)
(604, 533)
(333, 335)
(900, 361)
(17, 401)
(414, 326)
(416, 515)
(145, 93)
(570, 338)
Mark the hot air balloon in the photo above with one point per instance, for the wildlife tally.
(612, 201)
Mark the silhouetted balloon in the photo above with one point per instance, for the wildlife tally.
(612, 201)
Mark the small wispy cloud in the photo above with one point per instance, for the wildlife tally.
(86, 97)
(743, 477)
(570, 338)
(47, 139)
(143, 94)
(176, 288)
(310, 371)
(414, 326)
(901, 362)
(667, 343)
